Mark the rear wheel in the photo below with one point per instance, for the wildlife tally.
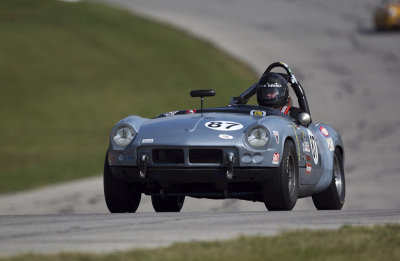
(282, 191)
(168, 204)
(120, 196)
(333, 197)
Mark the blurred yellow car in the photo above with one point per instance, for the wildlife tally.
(387, 15)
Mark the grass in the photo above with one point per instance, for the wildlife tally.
(70, 71)
(346, 243)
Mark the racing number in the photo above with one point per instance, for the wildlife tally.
(231, 125)
(314, 149)
(217, 124)
(314, 146)
(224, 125)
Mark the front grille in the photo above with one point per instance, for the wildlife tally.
(168, 156)
(206, 156)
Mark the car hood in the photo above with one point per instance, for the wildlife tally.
(207, 129)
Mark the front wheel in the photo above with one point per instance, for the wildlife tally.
(281, 192)
(333, 197)
(168, 204)
(120, 196)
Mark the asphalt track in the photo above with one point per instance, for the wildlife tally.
(106, 232)
(351, 77)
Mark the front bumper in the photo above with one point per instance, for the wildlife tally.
(193, 175)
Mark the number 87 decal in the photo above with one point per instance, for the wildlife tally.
(314, 146)
(224, 125)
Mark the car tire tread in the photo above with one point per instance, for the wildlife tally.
(275, 192)
(119, 195)
(168, 204)
(329, 199)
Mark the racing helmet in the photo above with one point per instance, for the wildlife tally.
(272, 91)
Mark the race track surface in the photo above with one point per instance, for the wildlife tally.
(110, 232)
(351, 77)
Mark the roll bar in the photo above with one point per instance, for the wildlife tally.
(296, 86)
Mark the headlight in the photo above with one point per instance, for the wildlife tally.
(123, 135)
(257, 136)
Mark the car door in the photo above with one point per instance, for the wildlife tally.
(310, 174)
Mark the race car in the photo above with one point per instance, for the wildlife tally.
(239, 151)
(387, 15)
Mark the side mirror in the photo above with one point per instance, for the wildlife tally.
(202, 93)
(304, 118)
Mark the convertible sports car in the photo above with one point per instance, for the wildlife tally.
(239, 151)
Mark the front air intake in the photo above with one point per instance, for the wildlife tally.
(168, 156)
(213, 156)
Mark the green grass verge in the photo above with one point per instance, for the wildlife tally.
(347, 243)
(70, 71)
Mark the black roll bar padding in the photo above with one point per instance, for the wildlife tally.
(245, 96)
(301, 97)
(277, 64)
(284, 75)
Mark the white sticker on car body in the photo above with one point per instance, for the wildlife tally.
(275, 158)
(147, 140)
(223, 125)
(308, 168)
(331, 146)
(276, 134)
(306, 146)
(225, 136)
(324, 131)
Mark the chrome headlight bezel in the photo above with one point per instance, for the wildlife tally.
(123, 135)
(262, 136)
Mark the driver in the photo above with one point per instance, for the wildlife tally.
(273, 92)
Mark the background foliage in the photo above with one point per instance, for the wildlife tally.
(70, 71)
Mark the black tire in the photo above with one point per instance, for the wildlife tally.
(167, 204)
(333, 197)
(282, 191)
(120, 196)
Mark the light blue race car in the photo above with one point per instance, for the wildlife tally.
(240, 151)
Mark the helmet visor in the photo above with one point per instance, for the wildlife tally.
(273, 93)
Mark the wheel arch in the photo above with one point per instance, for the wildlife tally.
(341, 151)
(292, 140)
